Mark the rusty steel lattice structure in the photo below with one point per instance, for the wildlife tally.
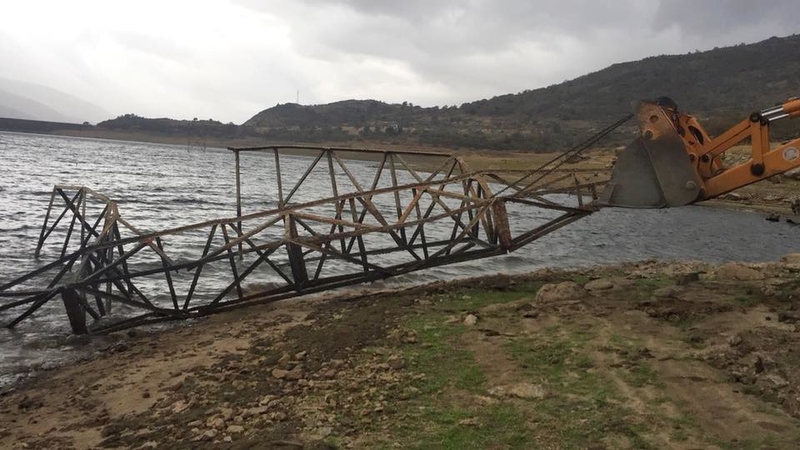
(353, 216)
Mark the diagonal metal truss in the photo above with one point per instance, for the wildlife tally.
(352, 216)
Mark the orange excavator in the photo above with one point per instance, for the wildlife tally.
(674, 162)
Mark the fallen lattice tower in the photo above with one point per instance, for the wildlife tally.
(369, 215)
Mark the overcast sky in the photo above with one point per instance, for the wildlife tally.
(229, 59)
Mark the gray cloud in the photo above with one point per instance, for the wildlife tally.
(484, 48)
(227, 59)
(697, 18)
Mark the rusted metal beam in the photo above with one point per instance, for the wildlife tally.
(414, 221)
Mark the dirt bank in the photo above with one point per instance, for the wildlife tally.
(649, 355)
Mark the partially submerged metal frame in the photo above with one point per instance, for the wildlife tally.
(309, 246)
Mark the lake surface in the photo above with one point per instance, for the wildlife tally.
(162, 186)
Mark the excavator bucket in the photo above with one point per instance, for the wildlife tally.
(654, 171)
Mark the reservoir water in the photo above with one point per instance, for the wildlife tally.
(162, 186)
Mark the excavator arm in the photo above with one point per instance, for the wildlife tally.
(674, 162)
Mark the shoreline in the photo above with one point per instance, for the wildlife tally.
(667, 343)
(763, 197)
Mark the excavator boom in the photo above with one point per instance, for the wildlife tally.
(674, 162)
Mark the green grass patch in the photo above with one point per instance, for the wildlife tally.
(441, 427)
(635, 372)
(468, 299)
(438, 354)
(558, 360)
(580, 279)
(581, 406)
(640, 374)
(440, 358)
(442, 415)
(618, 341)
(681, 426)
(756, 443)
(745, 300)
(498, 426)
(653, 283)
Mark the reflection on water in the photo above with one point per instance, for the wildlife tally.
(161, 186)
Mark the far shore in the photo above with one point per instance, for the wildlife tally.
(771, 196)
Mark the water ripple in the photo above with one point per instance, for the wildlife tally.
(162, 186)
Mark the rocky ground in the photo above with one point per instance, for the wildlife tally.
(649, 355)
(773, 196)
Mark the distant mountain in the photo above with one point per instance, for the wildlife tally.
(23, 100)
(723, 84)
(343, 113)
(730, 80)
(20, 107)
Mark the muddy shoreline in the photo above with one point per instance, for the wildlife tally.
(662, 355)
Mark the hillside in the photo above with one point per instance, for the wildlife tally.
(722, 85)
(729, 81)
(19, 107)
